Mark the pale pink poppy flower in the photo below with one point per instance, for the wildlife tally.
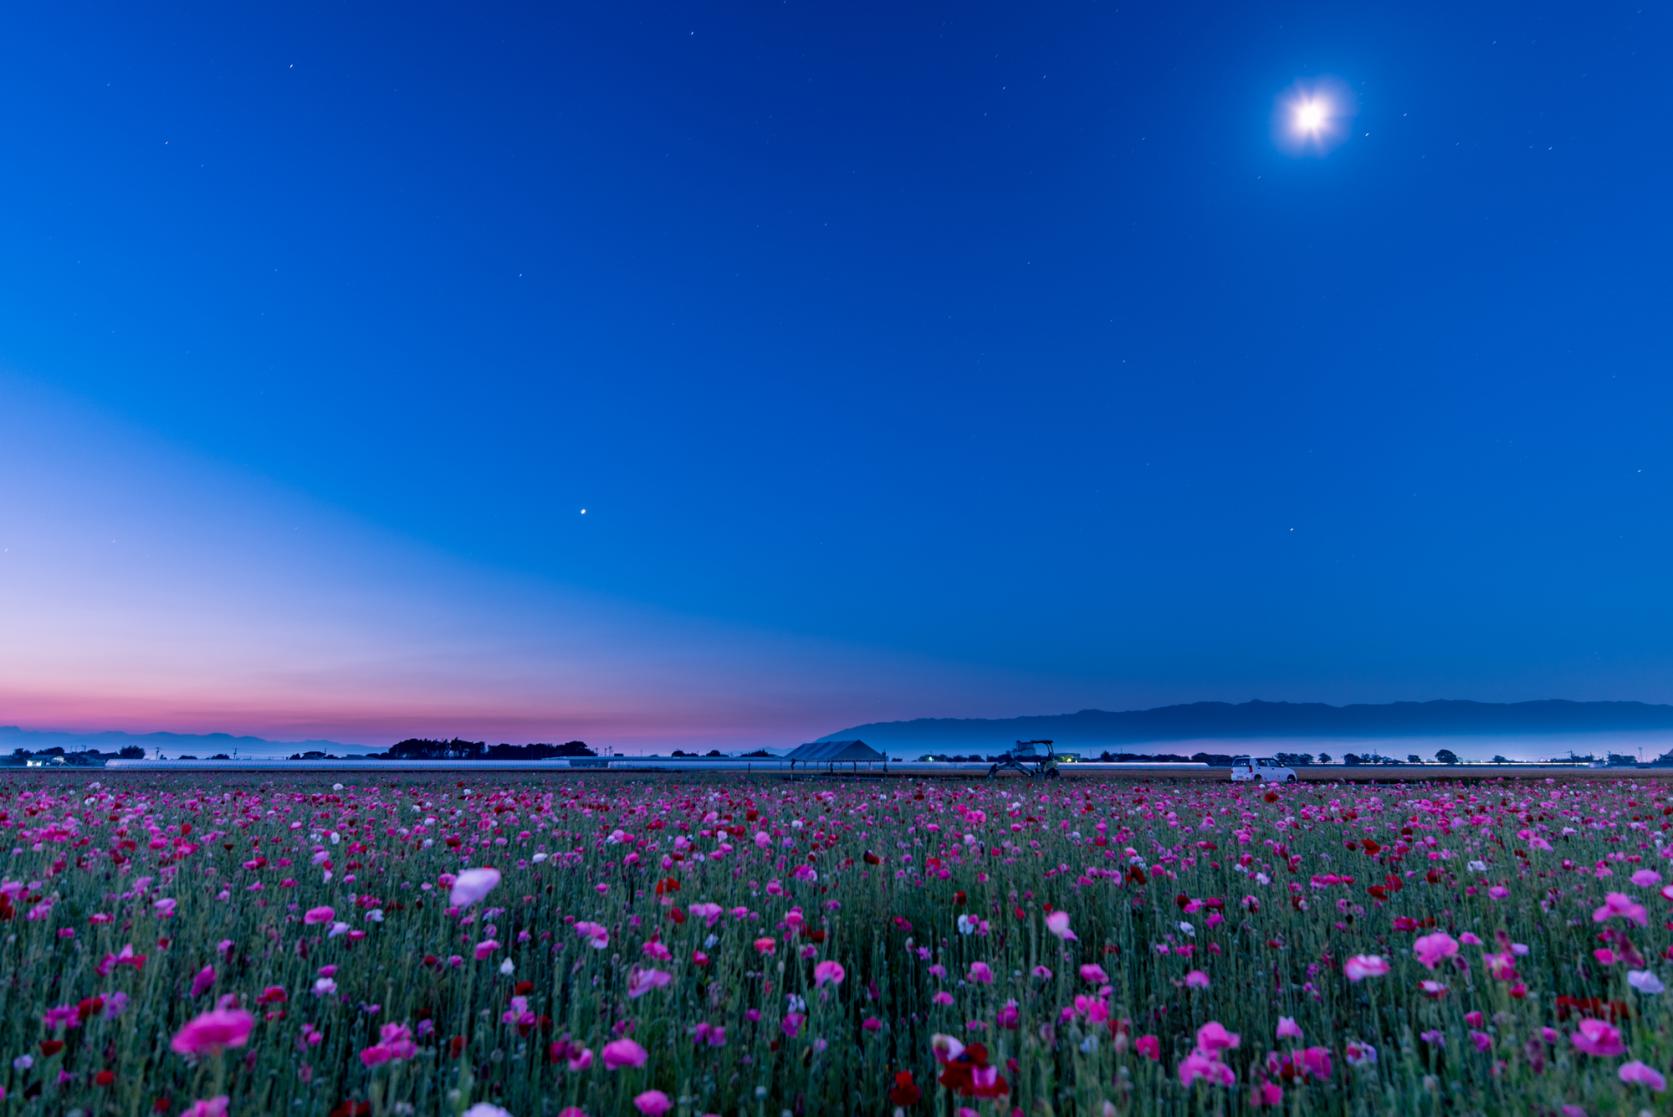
(829, 973)
(472, 886)
(1288, 1028)
(640, 982)
(1057, 923)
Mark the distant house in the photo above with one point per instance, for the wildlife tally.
(829, 754)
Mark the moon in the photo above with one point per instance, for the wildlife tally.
(1311, 116)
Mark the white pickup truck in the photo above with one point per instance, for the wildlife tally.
(1260, 769)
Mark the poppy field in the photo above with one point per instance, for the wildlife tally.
(567, 945)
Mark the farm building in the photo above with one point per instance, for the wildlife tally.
(830, 754)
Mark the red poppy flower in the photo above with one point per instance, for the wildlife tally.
(905, 1092)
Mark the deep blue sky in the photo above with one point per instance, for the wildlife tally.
(1004, 341)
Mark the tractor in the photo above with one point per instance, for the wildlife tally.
(1034, 759)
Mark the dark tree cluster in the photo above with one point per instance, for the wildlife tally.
(425, 748)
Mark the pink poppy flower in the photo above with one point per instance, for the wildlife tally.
(980, 974)
(214, 1031)
(1288, 1028)
(1434, 949)
(1197, 1065)
(596, 935)
(1362, 966)
(1636, 1073)
(1094, 973)
(1212, 1038)
(1057, 923)
(829, 973)
(207, 1107)
(1620, 904)
(1148, 1046)
(203, 980)
(1196, 979)
(315, 916)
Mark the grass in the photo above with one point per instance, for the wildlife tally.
(1264, 893)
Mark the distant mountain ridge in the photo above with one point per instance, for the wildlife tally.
(172, 744)
(1257, 719)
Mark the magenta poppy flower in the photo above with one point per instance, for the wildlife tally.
(623, 1053)
(315, 916)
(652, 1103)
(214, 1031)
(1600, 1038)
(829, 973)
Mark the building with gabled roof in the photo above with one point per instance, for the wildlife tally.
(831, 753)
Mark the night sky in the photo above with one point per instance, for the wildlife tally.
(906, 360)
